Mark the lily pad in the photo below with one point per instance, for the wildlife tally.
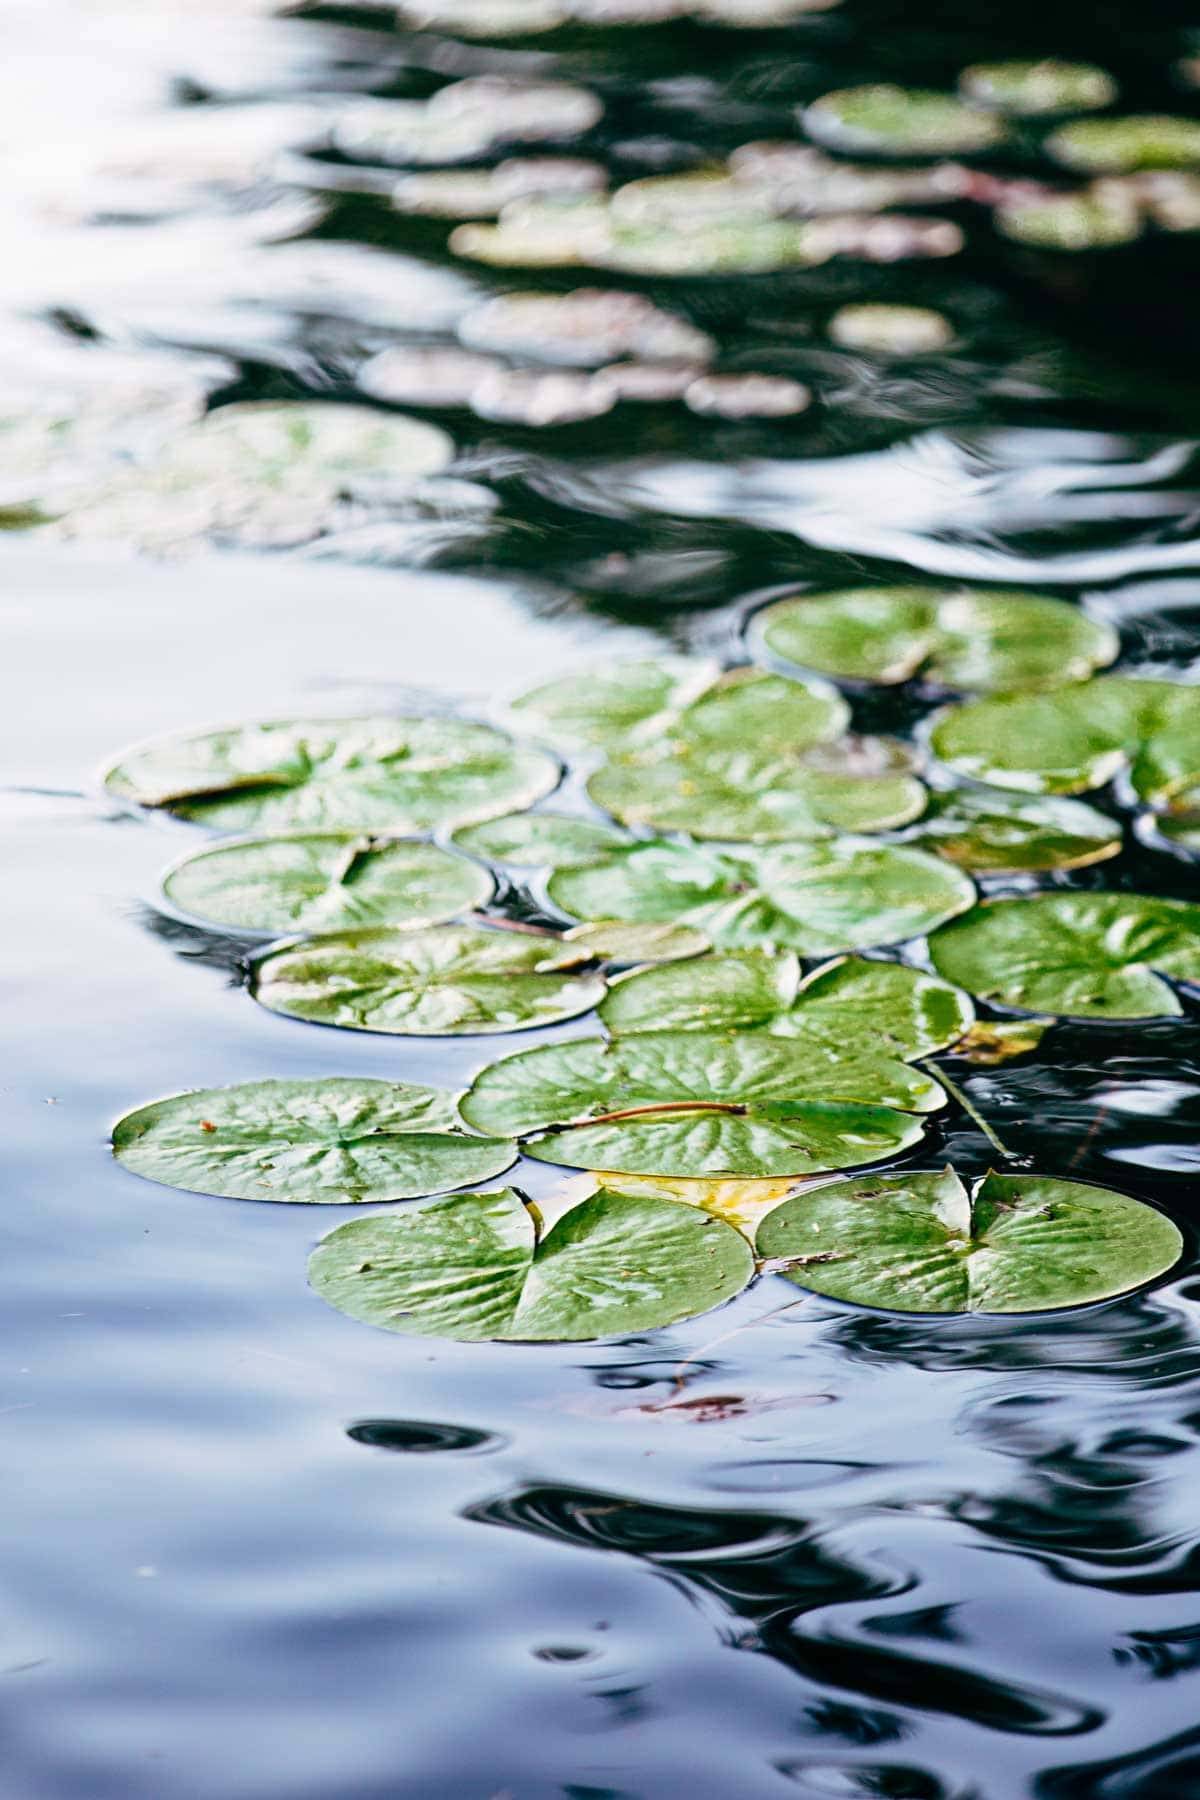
(1085, 956)
(583, 329)
(891, 330)
(476, 193)
(332, 1142)
(324, 882)
(760, 795)
(886, 120)
(613, 707)
(922, 1243)
(1121, 146)
(747, 396)
(700, 1104)
(447, 981)
(373, 774)
(1079, 737)
(539, 840)
(1095, 218)
(818, 899)
(954, 637)
(479, 1266)
(540, 397)
(852, 1007)
(1032, 88)
(617, 941)
(992, 833)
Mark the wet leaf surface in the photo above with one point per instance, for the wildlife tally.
(539, 839)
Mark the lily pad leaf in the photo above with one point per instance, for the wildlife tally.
(817, 899)
(922, 1243)
(539, 839)
(1031, 89)
(701, 1104)
(333, 1142)
(993, 833)
(448, 981)
(958, 638)
(740, 1203)
(992, 1042)
(477, 1266)
(852, 1007)
(1078, 737)
(885, 120)
(1121, 146)
(626, 703)
(617, 941)
(326, 881)
(1079, 955)
(369, 774)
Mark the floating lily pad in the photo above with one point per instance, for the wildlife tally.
(1079, 737)
(1086, 956)
(539, 840)
(896, 121)
(465, 119)
(992, 833)
(891, 330)
(992, 1042)
(1120, 146)
(651, 383)
(448, 981)
(748, 795)
(628, 702)
(482, 18)
(617, 941)
(922, 1243)
(798, 180)
(373, 774)
(1095, 218)
(818, 899)
(541, 397)
(851, 1007)
(426, 375)
(739, 1203)
(484, 193)
(955, 637)
(583, 329)
(1032, 88)
(324, 882)
(699, 1104)
(747, 396)
(479, 1266)
(333, 1142)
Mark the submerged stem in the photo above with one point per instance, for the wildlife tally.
(973, 1112)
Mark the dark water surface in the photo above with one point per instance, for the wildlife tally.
(257, 1551)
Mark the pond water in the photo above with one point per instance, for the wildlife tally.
(258, 1551)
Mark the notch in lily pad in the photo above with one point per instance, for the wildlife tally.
(922, 1242)
(483, 1266)
(330, 1142)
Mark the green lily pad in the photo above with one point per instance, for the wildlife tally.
(1120, 146)
(891, 330)
(324, 882)
(1029, 89)
(479, 1266)
(955, 637)
(818, 899)
(628, 702)
(922, 1243)
(540, 840)
(747, 796)
(885, 120)
(1095, 218)
(583, 329)
(619, 941)
(1078, 737)
(701, 1104)
(448, 981)
(373, 774)
(992, 833)
(333, 1142)
(1085, 956)
(851, 1007)
(1181, 834)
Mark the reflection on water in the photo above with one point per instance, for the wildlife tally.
(261, 1552)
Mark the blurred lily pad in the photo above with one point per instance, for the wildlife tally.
(625, 702)
(447, 981)
(1094, 218)
(891, 330)
(475, 193)
(818, 899)
(1120, 146)
(481, 1266)
(465, 119)
(848, 1007)
(583, 329)
(886, 120)
(1082, 955)
(1033, 87)
(539, 840)
(697, 1104)
(1079, 737)
(331, 1142)
(958, 638)
(618, 941)
(326, 881)
(923, 1243)
(747, 396)
(993, 833)
(373, 774)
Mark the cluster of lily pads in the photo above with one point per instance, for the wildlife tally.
(773, 920)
